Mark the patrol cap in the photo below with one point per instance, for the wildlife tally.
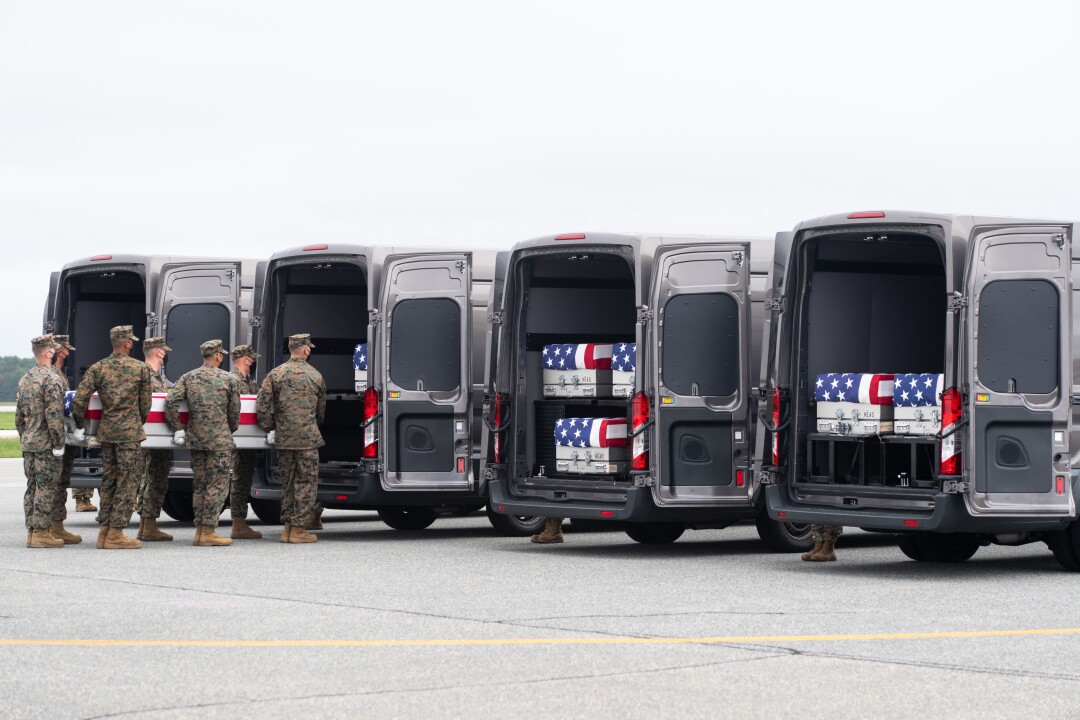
(155, 343)
(212, 347)
(122, 332)
(64, 340)
(44, 342)
(244, 351)
(300, 340)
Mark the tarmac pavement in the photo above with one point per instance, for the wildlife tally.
(458, 622)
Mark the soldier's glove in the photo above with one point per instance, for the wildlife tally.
(178, 437)
(78, 434)
(58, 452)
(271, 437)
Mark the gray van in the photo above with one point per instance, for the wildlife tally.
(691, 310)
(402, 434)
(985, 305)
(188, 300)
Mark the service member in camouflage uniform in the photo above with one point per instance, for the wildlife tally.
(290, 407)
(82, 495)
(213, 399)
(59, 511)
(123, 385)
(39, 418)
(156, 464)
(825, 537)
(243, 360)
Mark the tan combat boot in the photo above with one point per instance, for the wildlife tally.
(84, 505)
(44, 539)
(29, 537)
(148, 530)
(241, 530)
(117, 540)
(209, 538)
(286, 533)
(67, 538)
(103, 531)
(827, 553)
(552, 532)
(315, 523)
(301, 535)
(809, 554)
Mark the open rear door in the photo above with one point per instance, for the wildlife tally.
(1016, 456)
(48, 321)
(703, 378)
(424, 372)
(197, 302)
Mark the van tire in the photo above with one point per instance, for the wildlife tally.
(407, 518)
(655, 533)
(269, 511)
(784, 537)
(947, 547)
(1065, 545)
(909, 545)
(179, 506)
(515, 525)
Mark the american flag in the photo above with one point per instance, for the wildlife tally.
(69, 397)
(359, 357)
(584, 356)
(854, 388)
(624, 357)
(918, 389)
(591, 432)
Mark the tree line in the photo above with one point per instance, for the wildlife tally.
(11, 369)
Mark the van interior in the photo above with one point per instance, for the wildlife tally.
(570, 297)
(869, 303)
(92, 304)
(329, 302)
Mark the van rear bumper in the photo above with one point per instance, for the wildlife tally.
(638, 507)
(369, 494)
(949, 515)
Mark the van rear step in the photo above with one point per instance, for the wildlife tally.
(893, 461)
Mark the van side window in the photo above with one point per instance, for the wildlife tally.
(701, 345)
(189, 326)
(1018, 348)
(425, 344)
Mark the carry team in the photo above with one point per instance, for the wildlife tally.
(291, 403)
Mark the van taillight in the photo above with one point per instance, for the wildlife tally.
(497, 413)
(951, 413)
(776, 424)
(371, 409)
(639, 411)
(571, 236)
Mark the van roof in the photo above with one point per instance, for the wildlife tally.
(905, 217)
(368, 251)
(630, 239)
(133, 259)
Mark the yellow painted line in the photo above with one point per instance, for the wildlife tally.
(535, 641)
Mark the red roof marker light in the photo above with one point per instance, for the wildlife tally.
(865, 215)
(98, 258)
(571, 236)
(314, 247)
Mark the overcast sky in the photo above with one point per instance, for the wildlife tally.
(247, 127)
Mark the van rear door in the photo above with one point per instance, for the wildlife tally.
(423, 368)
(48, 321)
(701, 334)
(197, 302)
(1019, 357)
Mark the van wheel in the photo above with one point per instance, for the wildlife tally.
(269, 511)
(784, 537)
(179, 506)
(1066, 547)
(656, 533)
(407, 518)
(947, 547)
(515, 525)
(909, 545)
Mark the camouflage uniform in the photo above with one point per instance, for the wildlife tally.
(124, 386)
(243, 460)
(213, 415)
(822, 533)
(39, 418)
(59, 510)
(297, 393)
(156, 465)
